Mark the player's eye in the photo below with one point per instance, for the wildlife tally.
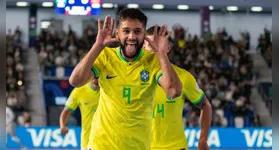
(126, 31)
(137, 31)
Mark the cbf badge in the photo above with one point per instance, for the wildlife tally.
(144, 75)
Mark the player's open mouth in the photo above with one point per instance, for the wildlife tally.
(130, 47)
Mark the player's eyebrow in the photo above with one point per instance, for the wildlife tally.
(127, 28)
(138, 29)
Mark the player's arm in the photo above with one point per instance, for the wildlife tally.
(193, 92)
(70, 106)
(169, 80)
(205, 118)
(82, 72)
(64, 116)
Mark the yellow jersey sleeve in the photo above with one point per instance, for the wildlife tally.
(191, 89)
(157, 69)
(158, 75)
(99, 63)
(72, 102)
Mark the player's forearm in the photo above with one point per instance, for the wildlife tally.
(206, 116)
(172, 84)
(64, 117)
(81, 72)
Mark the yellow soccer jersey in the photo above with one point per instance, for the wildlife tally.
(87, 99)
(127, 90)
(167, 125)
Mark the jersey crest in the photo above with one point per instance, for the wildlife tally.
(144, 75)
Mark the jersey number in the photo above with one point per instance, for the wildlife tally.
(127, 94)
(160, 109)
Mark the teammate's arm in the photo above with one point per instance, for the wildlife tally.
(169, 80)
(70, 106)
(64, 116)
(205, 118)
(193, 92)
(82, 72)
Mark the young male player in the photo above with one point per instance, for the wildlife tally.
(128, 76)
(87, 99)
(167, 125)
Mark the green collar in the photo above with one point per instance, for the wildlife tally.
(89, 85)
(123, 59)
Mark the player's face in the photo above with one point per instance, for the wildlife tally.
(131, 34)
(147, 46)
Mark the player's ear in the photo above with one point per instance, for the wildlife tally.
(116, 33)
(169, 47)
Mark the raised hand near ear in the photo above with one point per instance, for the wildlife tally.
(160, 42)
(104, 36)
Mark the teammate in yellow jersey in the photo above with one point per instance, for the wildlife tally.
(128, 77)
(87, 99)
(167, 125)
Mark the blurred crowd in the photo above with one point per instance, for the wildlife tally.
(220, 64)
(64, 49)
(16, 95)
(223, 70)
(265, 46)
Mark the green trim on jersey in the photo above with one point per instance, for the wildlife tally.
(158, 76)
(95, 72)
(122, 58)
(89, 85)
(139, 55)
(71, 109)
(196, 102)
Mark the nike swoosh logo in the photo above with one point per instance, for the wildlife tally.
(110, 77)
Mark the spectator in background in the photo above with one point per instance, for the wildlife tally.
(27, 118)
(17, 99)
(90, 34)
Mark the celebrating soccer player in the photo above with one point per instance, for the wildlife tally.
(128, 76)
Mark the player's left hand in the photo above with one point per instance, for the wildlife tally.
(203, 145)
(160, 41)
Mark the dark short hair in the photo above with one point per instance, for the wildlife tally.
(150, 30)
(132, 13)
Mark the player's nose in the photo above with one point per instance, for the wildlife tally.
(132, 36)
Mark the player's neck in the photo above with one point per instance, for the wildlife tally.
(94, 86)
(129, 59)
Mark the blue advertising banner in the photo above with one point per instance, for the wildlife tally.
(238, 138)
(46, 137)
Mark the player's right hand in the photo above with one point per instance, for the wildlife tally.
(104, 36)
(64, 130)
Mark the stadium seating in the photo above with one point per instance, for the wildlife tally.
(17, 98)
